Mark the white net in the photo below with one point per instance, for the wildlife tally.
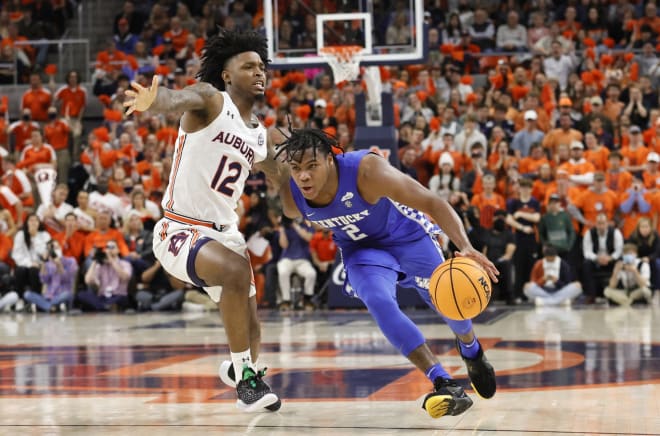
(344, 61)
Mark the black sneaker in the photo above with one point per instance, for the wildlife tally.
(254, 394)
(448, 398)
(481, 373)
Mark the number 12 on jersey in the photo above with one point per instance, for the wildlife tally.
(224, 178)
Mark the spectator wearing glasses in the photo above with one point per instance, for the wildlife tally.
(107, 280)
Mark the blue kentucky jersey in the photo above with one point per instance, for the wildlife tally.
(354, 221)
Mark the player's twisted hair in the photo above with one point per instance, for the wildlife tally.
(299, 140)
(225, 45)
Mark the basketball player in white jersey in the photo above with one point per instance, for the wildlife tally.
(220, 141)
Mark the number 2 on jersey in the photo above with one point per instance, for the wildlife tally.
(223, 182)
(353, 232)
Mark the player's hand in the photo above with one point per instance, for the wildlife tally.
(482, 260)
(140, 98)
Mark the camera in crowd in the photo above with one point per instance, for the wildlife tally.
(100, 256)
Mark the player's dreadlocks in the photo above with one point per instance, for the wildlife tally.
(225, 45)
(300, 140)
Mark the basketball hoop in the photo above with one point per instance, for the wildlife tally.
(344, 61)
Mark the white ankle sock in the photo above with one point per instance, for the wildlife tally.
(240, 359)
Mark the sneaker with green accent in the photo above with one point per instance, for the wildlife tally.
(254, 394)
(481, 373)
(448, 398)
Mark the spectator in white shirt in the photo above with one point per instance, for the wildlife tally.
(101, 199)
(559, 65)
(29, 251)
(512, 36)
(470, 135)
(53, 214)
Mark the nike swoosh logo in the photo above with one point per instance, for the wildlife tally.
(310, 214)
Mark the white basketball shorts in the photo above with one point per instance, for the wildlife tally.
(176, 245)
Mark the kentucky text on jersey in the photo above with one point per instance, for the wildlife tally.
(343, 219)
(238, 143)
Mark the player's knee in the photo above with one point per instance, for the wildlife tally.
(233, 276)
(376, 300)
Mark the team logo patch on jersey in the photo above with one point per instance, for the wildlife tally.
(261, 140)
(346, 199)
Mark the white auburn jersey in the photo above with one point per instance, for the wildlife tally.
(209, 168)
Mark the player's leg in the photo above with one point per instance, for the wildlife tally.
(376, 287)
(226, 370)
(218, 266)
(419, 261)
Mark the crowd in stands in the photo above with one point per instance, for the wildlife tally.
(538, 121)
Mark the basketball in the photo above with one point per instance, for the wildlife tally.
(460, 288)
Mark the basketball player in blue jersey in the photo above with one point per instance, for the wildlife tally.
(220, 140)
(373, 210)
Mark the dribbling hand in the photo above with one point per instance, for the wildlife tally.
(481, 260)
(140, 98)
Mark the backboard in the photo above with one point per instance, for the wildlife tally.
(391, 31)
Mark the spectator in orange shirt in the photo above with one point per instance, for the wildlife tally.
(471, 180)
(488, 201)
(56, 133)
(597, 199)
(579, 170)
(651, 176)
(22, 130)
(618, 179)
(532, 104)
(562, 156)
(564, 134)
(71, 239)
(37, 152)
(596, 153)
(502, 158)
(651, 137)
(110, 59)
(37, 98)
(18, 181)
(177, 34)
(635, 203)
(650, 19)
(103, 234)
(613, 106)
(72, 99)
(635, 153)
(541, 185)
(530, 166)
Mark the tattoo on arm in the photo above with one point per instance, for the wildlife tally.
(193, 97)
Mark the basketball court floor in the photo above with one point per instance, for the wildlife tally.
(560, 371)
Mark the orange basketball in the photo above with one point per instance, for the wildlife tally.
(460, 288)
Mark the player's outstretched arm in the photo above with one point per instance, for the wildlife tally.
(378, 179)
(160, 99)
